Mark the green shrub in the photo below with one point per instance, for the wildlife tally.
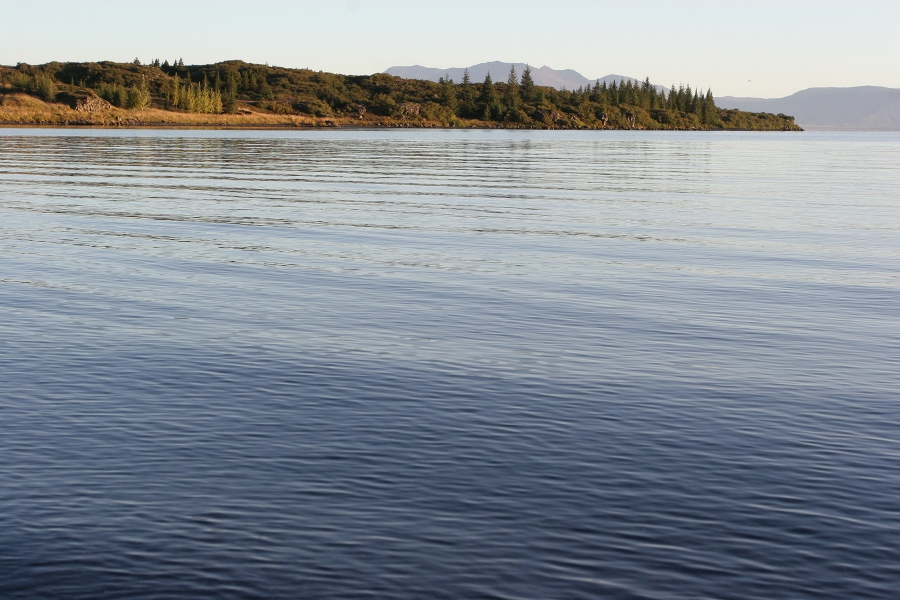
(43, 87)
(313, 106)
(113, 93)
(385, 105)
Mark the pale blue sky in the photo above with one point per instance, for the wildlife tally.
(765, 48)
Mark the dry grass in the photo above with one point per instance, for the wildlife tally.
(21, 109)
(18, 109)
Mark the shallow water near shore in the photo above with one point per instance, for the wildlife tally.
(449, 364)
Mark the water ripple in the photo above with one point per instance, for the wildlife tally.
(354, 364)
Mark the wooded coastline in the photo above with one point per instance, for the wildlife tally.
(239, 94)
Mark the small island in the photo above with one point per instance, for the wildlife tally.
(239, 94)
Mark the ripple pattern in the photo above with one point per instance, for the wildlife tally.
(453, 364)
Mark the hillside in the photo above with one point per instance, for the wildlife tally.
(867, 108)
(235, 93)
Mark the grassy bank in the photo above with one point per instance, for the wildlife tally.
(17, 109)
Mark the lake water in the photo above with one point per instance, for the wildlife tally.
(449, 364)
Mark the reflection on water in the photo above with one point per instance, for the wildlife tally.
(448, 364)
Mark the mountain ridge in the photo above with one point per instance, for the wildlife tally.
(569, 79)
(860, 108)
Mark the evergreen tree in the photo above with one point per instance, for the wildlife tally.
(527, 85)
(709, 108)
(466, 97)
(512, 99)
(229, 100)
(489, 100)
(448, 94)
(263, 89)
(647, 94)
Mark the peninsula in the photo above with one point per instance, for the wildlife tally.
(239, 94)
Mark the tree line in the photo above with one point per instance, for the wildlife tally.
(511, 101)
(233, 86)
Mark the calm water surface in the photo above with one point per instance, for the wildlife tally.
(472, 364)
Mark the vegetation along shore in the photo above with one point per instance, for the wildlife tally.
(238, 94)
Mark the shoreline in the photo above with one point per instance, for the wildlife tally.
(165, 127)
(347, 126)
(22, 110)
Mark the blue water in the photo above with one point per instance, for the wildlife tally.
(451, 364)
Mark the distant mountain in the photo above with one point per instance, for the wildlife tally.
(866, 108)
(566, 78)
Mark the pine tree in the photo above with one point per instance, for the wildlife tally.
(489, 100)
(527, 85)
(708, 108)
(512, 99)
(229, 100)
(448, 94)
(466, 97)
(647, 94)
(627, 93)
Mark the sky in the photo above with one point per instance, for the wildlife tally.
(739, 48)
